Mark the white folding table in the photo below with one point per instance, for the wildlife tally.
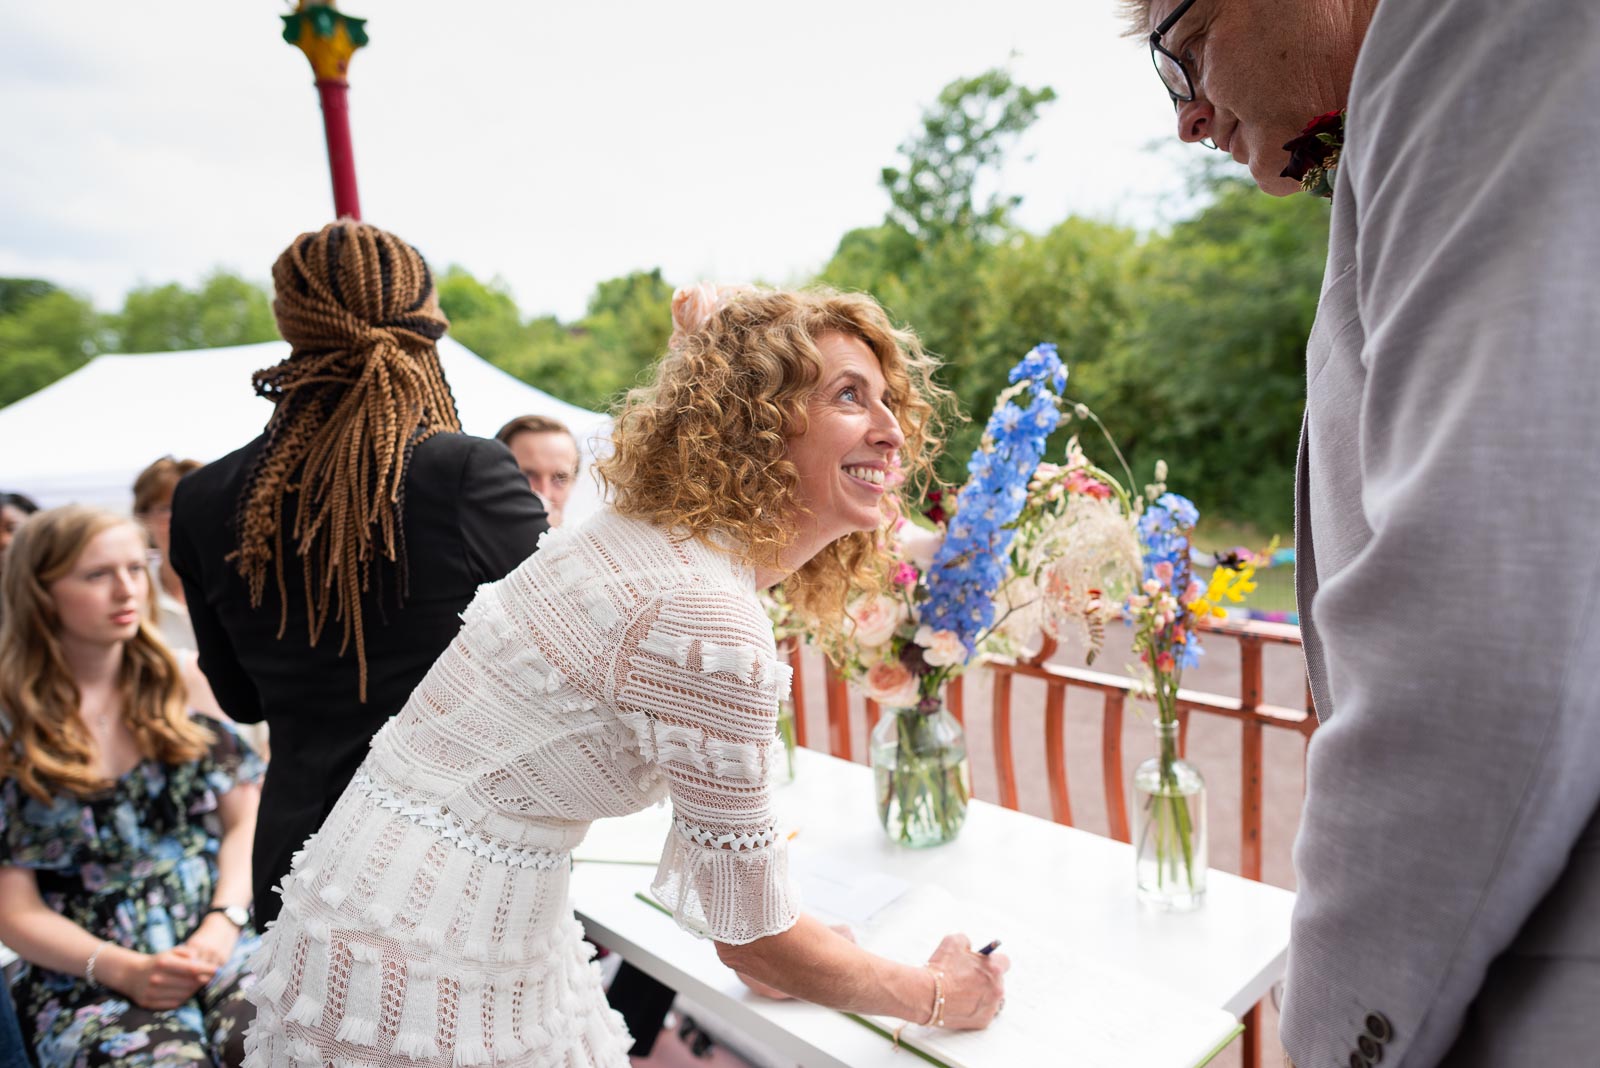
(1036, 873)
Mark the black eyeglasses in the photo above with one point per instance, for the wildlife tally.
(1175, 76)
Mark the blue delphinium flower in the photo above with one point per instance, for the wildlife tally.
(1043, 367)
(971, 563)
(1164, 535)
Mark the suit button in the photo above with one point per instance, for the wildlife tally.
(1370, 1048)
(1358, 1061)
(1378, 1027)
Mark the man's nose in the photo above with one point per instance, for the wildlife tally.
(1195, 120)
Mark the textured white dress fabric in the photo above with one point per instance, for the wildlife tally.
(427, 922)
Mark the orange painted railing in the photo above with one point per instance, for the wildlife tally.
(1252, 714)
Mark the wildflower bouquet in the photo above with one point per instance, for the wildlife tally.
(902, 647)
(1170, 836)
(949, 579)
(1030, 547)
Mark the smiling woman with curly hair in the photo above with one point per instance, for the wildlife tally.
(704, 449)
(627, 662)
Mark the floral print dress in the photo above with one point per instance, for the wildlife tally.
(135, 865)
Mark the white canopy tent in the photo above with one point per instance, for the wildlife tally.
(85, 437)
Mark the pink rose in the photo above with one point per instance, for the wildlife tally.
(1163, 571)
(876, 619)
(941, 648)
(919, 544)
(891, 684)
(906, 575)
(1082, 482)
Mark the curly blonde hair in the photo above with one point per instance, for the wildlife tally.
(703, 447)
(47, 745)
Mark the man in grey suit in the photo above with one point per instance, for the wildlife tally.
(1448, 516)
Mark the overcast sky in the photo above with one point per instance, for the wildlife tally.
(554, 145)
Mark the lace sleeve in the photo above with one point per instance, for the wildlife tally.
(699, 689)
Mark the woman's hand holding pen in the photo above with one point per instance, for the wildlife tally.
(973, 982)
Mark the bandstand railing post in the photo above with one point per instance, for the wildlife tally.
(838, 697)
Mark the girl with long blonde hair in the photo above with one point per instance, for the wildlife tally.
(125, 821)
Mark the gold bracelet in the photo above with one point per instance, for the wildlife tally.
(935, 1014)
(936, 1017)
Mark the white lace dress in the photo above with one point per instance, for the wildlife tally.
(427, 922)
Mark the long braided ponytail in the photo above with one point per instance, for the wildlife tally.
(360, 389)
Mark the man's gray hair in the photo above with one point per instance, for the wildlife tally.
(1137, 15)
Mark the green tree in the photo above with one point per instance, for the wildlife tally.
(15, 293)
(45, 333)
(628, 323)
(1212, 376)
(588, 363)
(482, 315)
(966, 133)
(928, 260)
(224, 310)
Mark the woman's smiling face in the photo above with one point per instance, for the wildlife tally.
(846, 453)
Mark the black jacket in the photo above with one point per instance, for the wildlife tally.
(469, 518)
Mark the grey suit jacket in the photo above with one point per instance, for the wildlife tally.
(1448, 527)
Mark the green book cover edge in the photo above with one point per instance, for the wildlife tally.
(1238, 1030)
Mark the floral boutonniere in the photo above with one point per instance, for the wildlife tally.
(1314, 155)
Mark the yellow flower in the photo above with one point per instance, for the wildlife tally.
(1226, 585)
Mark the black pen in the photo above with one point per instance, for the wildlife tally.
(990, 948)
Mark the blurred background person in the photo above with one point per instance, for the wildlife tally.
(327, 562)
(14, 508)
(547, 453)
(125, 818)
(152, 507)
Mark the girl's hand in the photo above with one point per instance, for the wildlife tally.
(160, 980)
(212, 942)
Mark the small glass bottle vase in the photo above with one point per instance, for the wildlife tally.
(1169, 827)
(920, 771)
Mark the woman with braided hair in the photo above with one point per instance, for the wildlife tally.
(327, 562)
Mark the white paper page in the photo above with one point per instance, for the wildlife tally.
(843, 892)
(636, 839)
(1059, 1008)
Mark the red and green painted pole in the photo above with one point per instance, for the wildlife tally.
(329, 39)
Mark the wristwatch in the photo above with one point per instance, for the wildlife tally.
(238, 915)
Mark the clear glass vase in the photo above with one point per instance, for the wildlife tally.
(784, 773)
(920, 770)
(1169, 826)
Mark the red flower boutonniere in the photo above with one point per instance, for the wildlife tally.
(1314, 155)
